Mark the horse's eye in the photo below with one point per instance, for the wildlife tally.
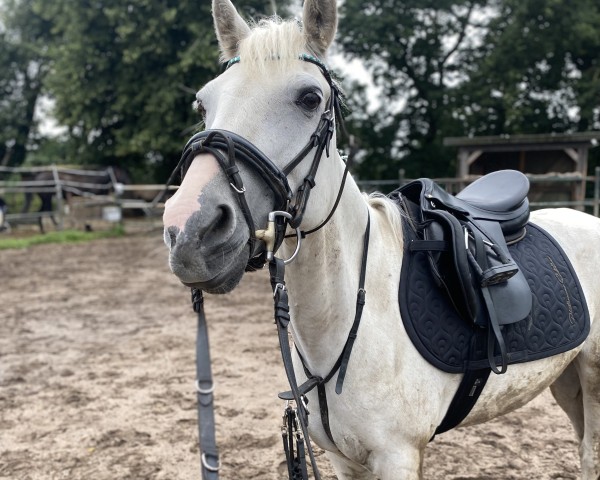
(309, 101)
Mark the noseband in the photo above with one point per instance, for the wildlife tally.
(229, 148)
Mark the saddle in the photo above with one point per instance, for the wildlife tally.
(466, 240)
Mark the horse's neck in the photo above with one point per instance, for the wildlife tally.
(323, 282)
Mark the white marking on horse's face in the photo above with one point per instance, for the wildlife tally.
(186, 199)
(206, 234)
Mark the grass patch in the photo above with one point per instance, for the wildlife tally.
(64, 236)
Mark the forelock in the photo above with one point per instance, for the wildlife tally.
(273, 44)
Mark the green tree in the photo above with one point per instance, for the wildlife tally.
(124, 75)
(537, 70)
(414, 50)
(23, 66)
(462, 67)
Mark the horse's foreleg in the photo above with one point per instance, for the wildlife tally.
(397, 460)
(404, 464)
(347, 470)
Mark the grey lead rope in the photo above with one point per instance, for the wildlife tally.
(209, 455)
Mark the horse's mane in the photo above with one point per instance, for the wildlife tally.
(391, 211)
(272, 39)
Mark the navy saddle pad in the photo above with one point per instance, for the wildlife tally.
(559, 320)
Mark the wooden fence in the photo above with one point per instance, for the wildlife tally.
(20, 185)
(150, 198)
(16, 184)
(454, 185)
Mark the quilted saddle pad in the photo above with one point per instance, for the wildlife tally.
(559, 320)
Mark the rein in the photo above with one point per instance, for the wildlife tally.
(228, 148)
(341, 365)
(295, 421)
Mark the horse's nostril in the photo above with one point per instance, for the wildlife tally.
(172, 232)
(220, 228)
(223, 223)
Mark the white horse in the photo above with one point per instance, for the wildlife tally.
(393, 399)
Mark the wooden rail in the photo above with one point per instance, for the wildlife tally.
(151, 198)
(454, 185)
(12, 183)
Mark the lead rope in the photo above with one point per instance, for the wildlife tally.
(209, 455)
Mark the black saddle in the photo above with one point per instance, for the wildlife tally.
(465, 237)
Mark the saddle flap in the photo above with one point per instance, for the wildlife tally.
(450, 267)
(509, 291)
(449, 227)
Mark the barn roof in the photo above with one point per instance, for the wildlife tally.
(533, 140)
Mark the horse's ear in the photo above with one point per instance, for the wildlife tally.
(320, 24)
(230, 27)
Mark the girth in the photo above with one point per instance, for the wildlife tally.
(467, 249)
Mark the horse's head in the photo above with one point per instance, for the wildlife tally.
(270, 115)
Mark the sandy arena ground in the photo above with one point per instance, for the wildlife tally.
(97, 378)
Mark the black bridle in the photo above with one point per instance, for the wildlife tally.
(229, 148)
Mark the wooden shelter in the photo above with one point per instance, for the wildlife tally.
(557, 163)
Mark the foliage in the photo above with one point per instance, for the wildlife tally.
(470, 67)
(537, 71)
(414, 50)
(124, 74)
(64, 236)
(23, 66)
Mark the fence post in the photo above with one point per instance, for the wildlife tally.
(597, 191)
(59, 197)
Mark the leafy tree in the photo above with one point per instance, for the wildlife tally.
(23, 66)
(470, 67)
(123, 75)
(414, 50)
(537, 70)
